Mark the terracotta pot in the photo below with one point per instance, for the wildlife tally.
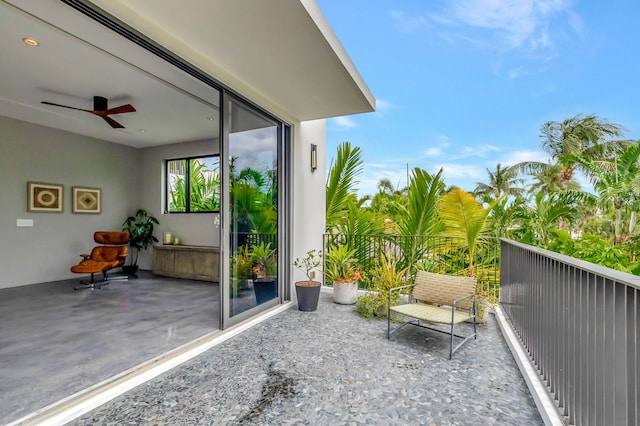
(345, 293)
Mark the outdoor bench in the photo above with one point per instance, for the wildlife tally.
(440, 299)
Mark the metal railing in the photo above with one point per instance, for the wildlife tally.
(579, 323)
(441, 254)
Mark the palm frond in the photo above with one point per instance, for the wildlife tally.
(341, 182)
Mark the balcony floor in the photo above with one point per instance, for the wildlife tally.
(333, 367)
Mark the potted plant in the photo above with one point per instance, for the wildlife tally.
(308, 292)
(140, 228)
(342, 270)
(265, 283)
(241, 270)
(263, 258)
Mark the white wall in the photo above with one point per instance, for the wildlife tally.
(309, 191)
(30, 152)
(200, 229)
(129, 179)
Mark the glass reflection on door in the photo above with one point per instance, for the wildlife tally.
(253, 202)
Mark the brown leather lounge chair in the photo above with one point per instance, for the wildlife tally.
(103, 258)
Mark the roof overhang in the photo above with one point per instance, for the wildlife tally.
(280, 53)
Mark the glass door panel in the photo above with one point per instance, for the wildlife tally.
(251, 214)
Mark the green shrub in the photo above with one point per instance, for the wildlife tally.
(383, 276)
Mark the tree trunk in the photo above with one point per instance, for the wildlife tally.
(618, 226)
(632, 222)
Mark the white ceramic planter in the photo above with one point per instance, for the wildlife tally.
(345, 293)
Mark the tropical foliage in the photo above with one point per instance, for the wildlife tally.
(426, 225)
(203, 191)
(383, 276)
(465, 218)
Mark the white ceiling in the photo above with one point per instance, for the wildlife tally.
(66, 70)
(287, 52)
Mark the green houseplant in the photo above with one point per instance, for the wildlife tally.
(308, 292)
(263, 258)
(140, 229)
(341, 269)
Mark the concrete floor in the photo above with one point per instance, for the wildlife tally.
(333, 367)
(55, 341)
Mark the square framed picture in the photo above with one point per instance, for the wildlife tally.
(85, 200)
(44, 197)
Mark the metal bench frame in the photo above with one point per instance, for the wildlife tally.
(440, 299)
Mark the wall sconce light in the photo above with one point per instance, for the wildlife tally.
(314, 157)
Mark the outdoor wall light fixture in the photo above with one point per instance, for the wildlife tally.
(314, 157)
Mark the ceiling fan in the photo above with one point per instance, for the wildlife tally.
(101, 110)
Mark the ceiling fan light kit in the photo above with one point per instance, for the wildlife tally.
(101, 109)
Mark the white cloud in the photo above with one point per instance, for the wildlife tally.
(518, 22)
(576, 23)
(343, 123)
(516, 72)
(433, 152)
(383, 106)
(407, 24)
(437, 148)
(374, 172)
(456, 171)
(515, 157)
(474, 151)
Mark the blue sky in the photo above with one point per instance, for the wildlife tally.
(464, 85)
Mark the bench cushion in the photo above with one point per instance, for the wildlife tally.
(431, 313)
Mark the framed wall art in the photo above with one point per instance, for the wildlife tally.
(44, 197)
(85, 200)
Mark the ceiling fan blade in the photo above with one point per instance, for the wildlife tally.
(121, 109)
(100, 109)
(112, 122)
(65, 106)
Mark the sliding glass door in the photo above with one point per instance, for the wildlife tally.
(252, 143)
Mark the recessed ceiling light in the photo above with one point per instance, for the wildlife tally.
(30, 41)
(143, 130)
(211, 118)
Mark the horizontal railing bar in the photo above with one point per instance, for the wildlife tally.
(592, 268)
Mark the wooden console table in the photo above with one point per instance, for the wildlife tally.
(192, 262)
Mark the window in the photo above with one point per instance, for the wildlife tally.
(193, 184)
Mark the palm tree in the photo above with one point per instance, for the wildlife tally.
(385, 186)
(579, 136)
(467, 219)
(548, 180)
(616, 182)
(420, 219)
(546, 213)
(389, 203)
(504, 181)
(341, 183)
(505, 217)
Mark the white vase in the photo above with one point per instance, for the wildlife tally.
(345, 293)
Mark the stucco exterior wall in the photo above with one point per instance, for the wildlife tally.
(308, 197)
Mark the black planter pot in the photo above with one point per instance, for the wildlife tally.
(130, 270)
(266, 289)
(308, 296)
